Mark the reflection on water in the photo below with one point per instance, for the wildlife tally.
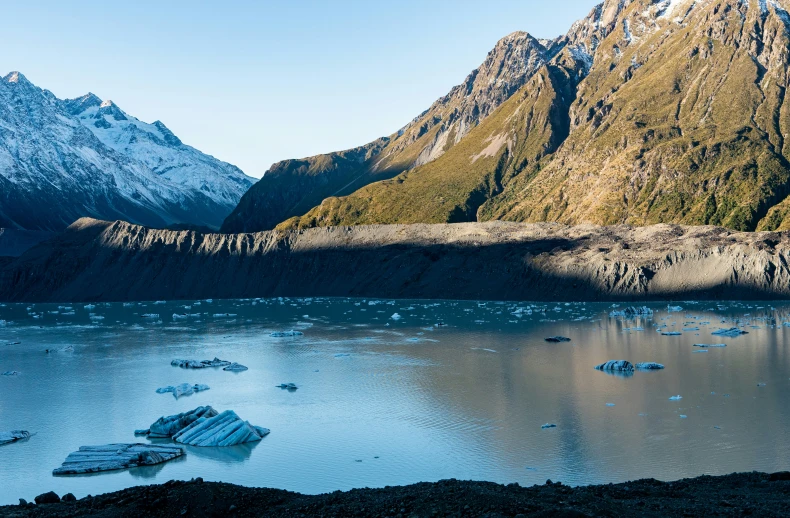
(385, 399)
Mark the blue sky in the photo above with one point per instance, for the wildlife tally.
(257, 82)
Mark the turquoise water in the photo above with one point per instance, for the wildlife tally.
(390, 401)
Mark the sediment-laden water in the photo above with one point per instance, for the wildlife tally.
(387, 396)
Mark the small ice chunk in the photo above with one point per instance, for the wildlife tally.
(731, 332)
(199, 364)
(281, 334)
(185, 389)
(557, 339)
(632, 312)
(235, 367)
(13, 436)
(648, 366)
(288, 386)
(396, 316)
(706, 346)
(548, 425)
(610, 404)
(676, 398)
(616, 366)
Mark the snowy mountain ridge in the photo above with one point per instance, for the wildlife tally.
(64, 159)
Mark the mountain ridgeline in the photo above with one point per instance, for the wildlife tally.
(64, 159)
(646, 111)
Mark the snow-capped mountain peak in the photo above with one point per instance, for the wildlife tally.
(63, 159)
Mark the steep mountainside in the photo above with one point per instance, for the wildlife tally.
(293, 187)
(56, 167)
(672, 111)
(99, 260)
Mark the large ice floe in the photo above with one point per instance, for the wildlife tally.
(204, 426)
(109, 457)
(225, 429)
(185, 389)
(166, 427)
(13, 436)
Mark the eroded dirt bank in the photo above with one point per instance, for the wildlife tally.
(754, 494)
(113, 261)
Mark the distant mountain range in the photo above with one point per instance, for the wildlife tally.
(646, 111)
(64, 159)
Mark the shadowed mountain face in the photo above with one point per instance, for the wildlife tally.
(62, 160)
(647, 111)
(102, 261)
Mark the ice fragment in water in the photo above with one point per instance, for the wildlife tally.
(676, 398)
(549, 425)
(732, 332)
(557, 339)
(185, 389)
(616, 366)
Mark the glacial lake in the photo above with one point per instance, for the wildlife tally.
(391, 401)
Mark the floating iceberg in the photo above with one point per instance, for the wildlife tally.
(288, 386)
(676, 398)
(557, 339)
(282, 334)
(705, 346)
(616, 366)
(91, 459)
(648, 366)
(11, 373)
(674, 309)
(671, 333)
(632, 312)
(225, 429)
(13, 436)
(396, 316)
(165, 427)
(235, 367)
(549, 425)
(199, 364)
(732, 332)
(185, 389)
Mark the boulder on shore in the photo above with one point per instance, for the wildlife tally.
(225, 429)
(109, 457)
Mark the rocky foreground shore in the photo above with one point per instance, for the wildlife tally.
(756, 494)
(114, 261)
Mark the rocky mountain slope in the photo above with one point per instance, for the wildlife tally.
(103, 261)
(293, 187)
(62, 160)
(669, 111)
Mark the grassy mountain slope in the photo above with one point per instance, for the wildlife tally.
(451, 189)
(682, 118)
(293, 187)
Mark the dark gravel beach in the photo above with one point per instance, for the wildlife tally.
(756, 494)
